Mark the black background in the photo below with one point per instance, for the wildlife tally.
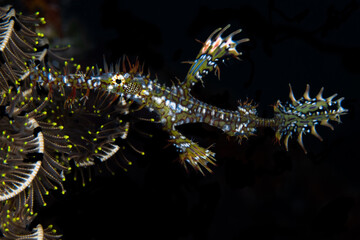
(258, 190)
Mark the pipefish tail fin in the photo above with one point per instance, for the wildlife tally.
(301, 116)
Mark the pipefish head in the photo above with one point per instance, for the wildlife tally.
(128, 83)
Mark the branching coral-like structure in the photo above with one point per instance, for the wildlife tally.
(51, 117)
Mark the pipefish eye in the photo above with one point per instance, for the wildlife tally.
(118, 78)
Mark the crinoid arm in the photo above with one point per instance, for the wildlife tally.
(15, 223)
(19, 44)
(214, 49)
(301, 116)
(37, 233)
